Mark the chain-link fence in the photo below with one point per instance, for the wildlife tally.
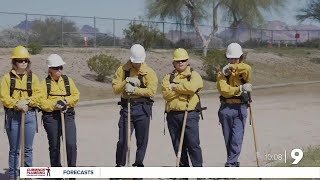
(80, 31)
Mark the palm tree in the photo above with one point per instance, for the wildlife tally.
(312, 11)
(186, 11)
(248, 12)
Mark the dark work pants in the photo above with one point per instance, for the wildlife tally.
(191, 142)
(140, 122)
(233, 119)
(52, 125)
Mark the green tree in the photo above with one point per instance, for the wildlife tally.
(213, 62)
(187, 11)
(248, 12)
(48, 32)
(144, 35)
(312, 11)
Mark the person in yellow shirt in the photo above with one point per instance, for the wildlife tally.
(20, 93)
(136, 81)
(180, 91)
(233, 83)
(60, 95)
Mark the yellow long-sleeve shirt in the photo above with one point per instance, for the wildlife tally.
(48, 103)
(17, 95)
(230, 87)
(150, 80)
(176, 100)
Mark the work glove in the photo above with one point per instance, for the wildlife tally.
(247, 87)
(130, 88)
(62, 105)
(133, 81)
(173, 86)
(23, 105)
(226, 70)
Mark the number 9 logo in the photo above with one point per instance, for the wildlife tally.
(297, 155)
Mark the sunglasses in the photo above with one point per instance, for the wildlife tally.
(182, 61)
(22, 61)
(57, 68)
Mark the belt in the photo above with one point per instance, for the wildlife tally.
(135, 101)
(233, 101)
(13, 109)
(58, 111)
(180, 112)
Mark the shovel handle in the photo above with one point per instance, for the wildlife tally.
(22, 135)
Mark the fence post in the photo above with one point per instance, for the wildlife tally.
(238, 34)
(225, 36)
(114, 32)
(95, 33)
(296, 39)
(319, 39)
(62, 31)
(180, 31)
(172, 34)
(261, 36)
(163, 34)
(26, 30)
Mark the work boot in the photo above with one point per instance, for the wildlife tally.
(137, 165)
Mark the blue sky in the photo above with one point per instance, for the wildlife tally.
(101, 8)
(123, 9)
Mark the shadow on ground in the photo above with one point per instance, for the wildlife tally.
(5, 175)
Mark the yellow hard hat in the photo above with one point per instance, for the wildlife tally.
(180, 54)
(20, 52)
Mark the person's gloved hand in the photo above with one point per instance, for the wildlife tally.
(247, 87)
(134, 81)
(129, 88)
(62, 105)
(23, 105)
(173, 86)
(226, 70)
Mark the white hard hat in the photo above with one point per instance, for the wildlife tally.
(234, 50)
(54, 60)
(138, 54)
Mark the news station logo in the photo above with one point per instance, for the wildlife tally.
(38, 171)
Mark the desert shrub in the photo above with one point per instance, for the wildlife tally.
(313, 43)
(106, 40)
(34, 48)
(184, 43)
(147, 36)
(213, 62)
(104, 65)
(315, 60)
(254, 43)
(12, 37)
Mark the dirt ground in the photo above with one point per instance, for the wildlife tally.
(286, 118)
